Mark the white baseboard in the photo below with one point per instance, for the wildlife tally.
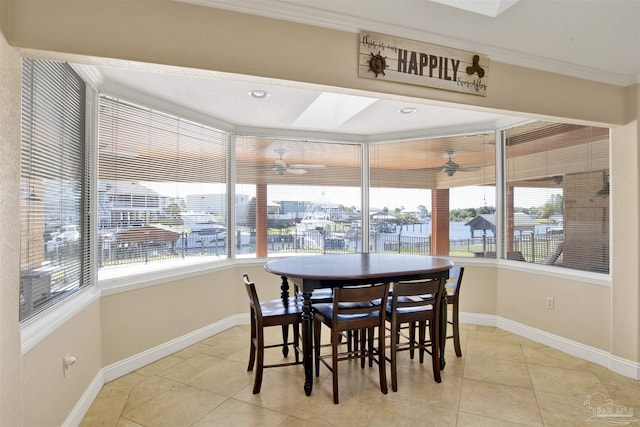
(624, 367)
(478, 319)
(86, 400)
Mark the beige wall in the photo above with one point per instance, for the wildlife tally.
(138, 320)
(625, 322)
(480, 286)
(582, 311)
(166, 32)
(48, 394)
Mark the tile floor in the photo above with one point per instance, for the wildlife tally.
(501, 380)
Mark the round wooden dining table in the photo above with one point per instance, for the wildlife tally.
(310, 272)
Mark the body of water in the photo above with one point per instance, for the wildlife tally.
(457, 230)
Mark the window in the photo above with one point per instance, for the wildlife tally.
(162, 190)
(470, 170)
(54, 250)
(557, 195)
(309, 192)
(400, 199)
(427, 205)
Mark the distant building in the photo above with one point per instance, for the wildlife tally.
(126, 204)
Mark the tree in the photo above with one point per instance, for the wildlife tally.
(553, 207)
(251, 213)
(424, 212)
(407, 218)
(174, 217)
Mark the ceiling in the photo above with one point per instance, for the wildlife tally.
(593, 39)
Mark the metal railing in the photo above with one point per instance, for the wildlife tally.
(533, 248)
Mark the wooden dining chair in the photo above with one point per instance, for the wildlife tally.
(277, 312)
(453, 297)
(415, 303)
(356, 309)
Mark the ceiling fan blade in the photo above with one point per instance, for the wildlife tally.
(296, 171)
(468, 169)
(303, 166)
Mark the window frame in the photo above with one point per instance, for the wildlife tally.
(86, 278)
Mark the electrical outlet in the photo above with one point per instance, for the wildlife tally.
(550, 303)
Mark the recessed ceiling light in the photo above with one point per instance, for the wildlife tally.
(407, 110)
(260, 94)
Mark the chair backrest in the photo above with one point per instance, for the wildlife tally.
(360, 302)
(254, 302)
(454, 283)
(417, 296)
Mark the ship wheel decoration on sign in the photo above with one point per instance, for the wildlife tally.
(378, 63)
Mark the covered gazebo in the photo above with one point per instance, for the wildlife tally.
(521, 223)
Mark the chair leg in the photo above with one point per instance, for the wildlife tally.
(434, 334)
(362, 333)
(395, 336)
(382, 360)
(412, 339)
(252, 348)
(259, 362)
(422, 339)
(316, 345)
(334, 363)
(371, 333)
(285, 340)
(456, 331)
(296, 340)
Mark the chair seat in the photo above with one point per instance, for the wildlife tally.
(327, 310)
(278, 303)
(406, 310)
(278, 308)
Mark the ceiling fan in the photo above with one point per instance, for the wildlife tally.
(280, 167)
(451, 167)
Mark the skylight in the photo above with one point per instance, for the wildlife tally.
(330, 110)
(490, 8)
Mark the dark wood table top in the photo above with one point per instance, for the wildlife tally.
(324, 269)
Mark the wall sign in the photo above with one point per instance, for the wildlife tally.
(408, 61)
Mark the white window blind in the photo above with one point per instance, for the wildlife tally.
(557, 195)
(312, 192)
(162, 190)
(54, 230)
(424, 192)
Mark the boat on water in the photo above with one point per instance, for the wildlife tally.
(316, 218)
(201, 230)
(318, 230)
(204, 224)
